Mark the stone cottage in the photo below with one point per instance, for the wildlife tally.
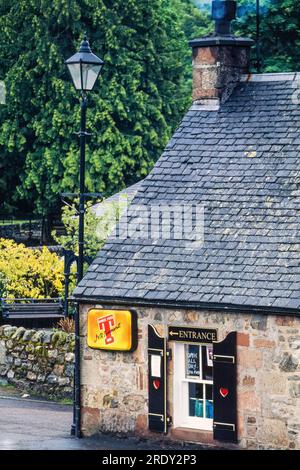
(190, 324)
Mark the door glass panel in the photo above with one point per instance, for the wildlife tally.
(192, 361)
(196, 400)
(207, 373)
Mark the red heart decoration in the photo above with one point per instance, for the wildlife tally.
(156, 384)
(224, 392)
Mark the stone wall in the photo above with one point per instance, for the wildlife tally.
(115, 389)
(22, 232)
(37, 361)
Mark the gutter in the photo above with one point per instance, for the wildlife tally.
(213, 306)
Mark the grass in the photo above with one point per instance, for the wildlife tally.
(7, 386)
(15, 222)
(8, 389)
(66, 401)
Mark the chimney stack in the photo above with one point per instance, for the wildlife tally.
(220, 59)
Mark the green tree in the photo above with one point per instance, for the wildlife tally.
(96, 228)
(138, 101)
(195, 23)
(280, 32)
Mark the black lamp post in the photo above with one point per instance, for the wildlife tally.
(84, 68)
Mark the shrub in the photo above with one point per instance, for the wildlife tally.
(67, 325)
(29, 273)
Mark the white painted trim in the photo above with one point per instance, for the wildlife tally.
(181, 416)
(271, 77)
(212, 104)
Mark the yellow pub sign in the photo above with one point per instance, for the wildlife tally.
(112, 330)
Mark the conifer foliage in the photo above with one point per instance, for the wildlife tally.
(140, 97)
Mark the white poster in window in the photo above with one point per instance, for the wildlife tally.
(209, 356)
(193, 361)
(155, 365)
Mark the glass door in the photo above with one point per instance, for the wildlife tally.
(193, 386)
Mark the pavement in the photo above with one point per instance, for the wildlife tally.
(33, 424)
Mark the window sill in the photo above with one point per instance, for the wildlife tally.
(192, 435)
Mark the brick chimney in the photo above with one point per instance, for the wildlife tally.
(220, 59)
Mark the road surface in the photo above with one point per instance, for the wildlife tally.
(27, 424)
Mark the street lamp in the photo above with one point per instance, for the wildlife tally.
(84, 68)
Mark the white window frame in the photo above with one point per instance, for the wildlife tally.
(181, 416)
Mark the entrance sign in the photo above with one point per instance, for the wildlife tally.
(192, 335)
(113, 330)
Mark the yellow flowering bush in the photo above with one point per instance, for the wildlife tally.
(29, 273)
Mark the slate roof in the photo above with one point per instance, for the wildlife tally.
(128, 193)
(242, 163)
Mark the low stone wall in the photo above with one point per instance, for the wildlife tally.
(22, 232)
(38, 362)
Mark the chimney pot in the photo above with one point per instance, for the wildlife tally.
(221, 58)
(223, 12)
